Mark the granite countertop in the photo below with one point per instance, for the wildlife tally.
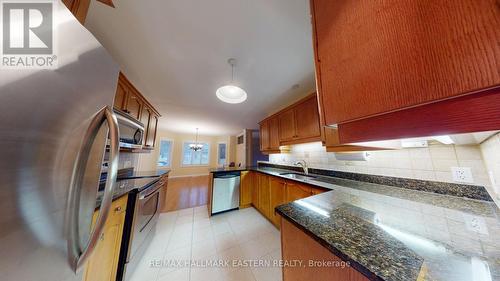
(227, 169)
(136, 181)
(392, 233)
(143, 174)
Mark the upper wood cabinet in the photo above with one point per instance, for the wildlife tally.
(287, 125)
(134, 105)
(269, 135)
(264, 135)
(307, 119)
(79, 8)
(274, 138)
(298, 123)
(374, 60)
(129, 100)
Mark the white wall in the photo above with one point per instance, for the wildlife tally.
(491, 155)
(430, 163)
(148, 161)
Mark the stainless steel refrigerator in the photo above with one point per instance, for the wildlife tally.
(53, 130)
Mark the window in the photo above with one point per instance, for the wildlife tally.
(221, 154)
(195, 158)
(165, 158)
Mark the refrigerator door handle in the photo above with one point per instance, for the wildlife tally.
(76, 254)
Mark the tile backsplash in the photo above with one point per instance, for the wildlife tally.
(430, 163)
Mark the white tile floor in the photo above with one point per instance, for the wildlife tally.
(189, 234)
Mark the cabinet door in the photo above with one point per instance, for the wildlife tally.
(316, 190)
(255, 191)
(152, 127)
(277, 197)
(287, 125)
(246, 189)
(145, 118)
(374, 58)
(264, 203)
(103, 264)
(307, 120)
(274, 138)
(134, 105)
(264, 135)
(296, 191)
(121, 94)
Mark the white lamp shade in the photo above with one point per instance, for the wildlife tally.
(231, 94)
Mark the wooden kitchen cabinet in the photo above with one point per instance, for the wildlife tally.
(287, 128)
(152, 128)
(297, 245)
(79, 8)
(130, 101)
(264, 195)
(296, 191)
(246, 190)
(297, 123)
(274, 138)
(134, 105)
(317, 190)
(264, 135)
(103, 263)
(269, 135)
(255, 191)
(307, 119)
(381, 67)
(277, 195)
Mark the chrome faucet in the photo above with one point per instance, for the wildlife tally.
(303, 164)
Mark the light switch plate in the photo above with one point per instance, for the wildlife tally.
(462, 174)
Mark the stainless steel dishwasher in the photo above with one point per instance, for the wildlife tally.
(226, 192)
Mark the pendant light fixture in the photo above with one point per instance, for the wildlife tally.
(196, 146)
(231, 93)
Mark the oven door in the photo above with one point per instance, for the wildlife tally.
(145, 218)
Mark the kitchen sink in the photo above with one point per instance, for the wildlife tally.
(298, 176)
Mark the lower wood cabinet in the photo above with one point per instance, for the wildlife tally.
(296, 245)
(246, 188)
(103, 263)
(266, 192)
(277, 195)
(296, 191)
(264, 198)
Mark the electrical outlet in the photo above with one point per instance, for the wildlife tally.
(462, 174)
(475, 223)
(128, 164)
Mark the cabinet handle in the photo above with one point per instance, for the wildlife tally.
(118, 209)
(102, 237)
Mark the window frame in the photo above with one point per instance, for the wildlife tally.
(194, 165)
(171, 154)
(226, 158)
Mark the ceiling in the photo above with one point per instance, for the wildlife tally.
(176, 52)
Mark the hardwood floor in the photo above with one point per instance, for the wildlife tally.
(186, 192)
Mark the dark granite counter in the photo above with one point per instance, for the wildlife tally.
(227, 169)
(392, 233)
(138, 181)
(131, 174)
